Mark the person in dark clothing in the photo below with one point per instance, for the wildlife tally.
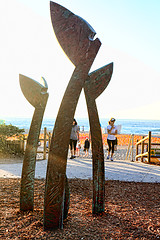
(86, 147)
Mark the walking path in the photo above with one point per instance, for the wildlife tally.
(81, 167)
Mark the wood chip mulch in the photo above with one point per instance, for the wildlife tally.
(132, 211)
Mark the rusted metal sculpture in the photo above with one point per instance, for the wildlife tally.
(75, 36)
(95, 84)
(37, 96)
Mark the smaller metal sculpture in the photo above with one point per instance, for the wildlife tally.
(37, 96)
(95, 84)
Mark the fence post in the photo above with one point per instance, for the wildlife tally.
(49, 139)
(128, 148)
(23, 139)
(142, 149)
(22, 144)
(149, 147)
(132, 146)
(137, 150)
(44, 149)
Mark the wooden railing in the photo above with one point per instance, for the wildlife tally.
(147, 149)
(17, 146)
(43, 143)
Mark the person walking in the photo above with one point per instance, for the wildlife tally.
(86, 147)
(111, 138)
(74, 137)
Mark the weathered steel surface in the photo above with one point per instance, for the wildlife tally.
(73, 33)
(94, 86)
(66, 199)
(37, 95)
(81, 50)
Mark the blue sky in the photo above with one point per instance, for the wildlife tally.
(130, 36)
(131, 26)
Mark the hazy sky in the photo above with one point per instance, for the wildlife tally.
(130, 36)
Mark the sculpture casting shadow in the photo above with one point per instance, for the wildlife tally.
(76, 37)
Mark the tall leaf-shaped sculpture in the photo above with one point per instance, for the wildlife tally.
(37, 96)
(75, 36)
(95, 84)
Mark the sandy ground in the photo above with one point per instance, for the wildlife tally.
(81, 167)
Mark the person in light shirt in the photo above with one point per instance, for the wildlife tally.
(111, 138)
(74, 137)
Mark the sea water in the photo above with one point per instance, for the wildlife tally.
(128, 126)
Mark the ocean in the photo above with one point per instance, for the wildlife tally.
(128, 126)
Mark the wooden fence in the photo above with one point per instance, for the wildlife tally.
(149, 150)
(147, 146)
(43, 143)
(18, 146)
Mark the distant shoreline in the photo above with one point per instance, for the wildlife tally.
(26, 131)
(128, 126)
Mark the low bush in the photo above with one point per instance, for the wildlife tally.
(7, 131)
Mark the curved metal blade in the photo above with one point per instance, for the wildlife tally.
(98, 81)
(73, 33)
(43, 82)
(33, 91)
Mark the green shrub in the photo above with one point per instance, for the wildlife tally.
(7, 131)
